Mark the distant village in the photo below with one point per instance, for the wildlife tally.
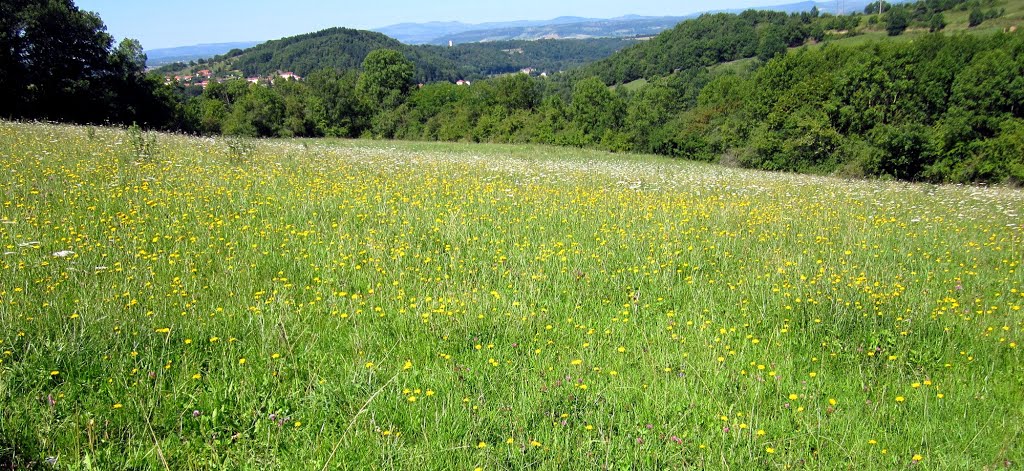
(202, 78)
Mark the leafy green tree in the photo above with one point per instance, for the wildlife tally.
(207, 114)
(58, 62)
(385, 81)
(1000, 159)
(936, 22)
(989, 87)
(594, 107)
(336, 108)
(771, 43)
(877, 7)
(905, 149)
(551, 117)
(454, 124)
(61, 59)
(515, 92)
(427, 104)
(648, 110)
(12, 45)
(129, 58)
(975, 18)
(896, 21)
(723, 106)
(298, 120)
(218, 91)
(260, 113)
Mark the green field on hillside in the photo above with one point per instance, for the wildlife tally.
(956, 23)
(169, 302)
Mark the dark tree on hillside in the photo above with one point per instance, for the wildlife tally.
(976, 17)
(58, 62)
(877, 7)
(57, 54)
(896, 21)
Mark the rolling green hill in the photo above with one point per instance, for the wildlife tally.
(345, 49)
(714, 39)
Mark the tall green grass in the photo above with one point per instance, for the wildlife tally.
(385, 305)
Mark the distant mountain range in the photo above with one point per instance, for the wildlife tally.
(574, 27)
(582, 28)
(158, 57)
(431, 33)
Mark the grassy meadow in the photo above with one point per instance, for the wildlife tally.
(169, 302)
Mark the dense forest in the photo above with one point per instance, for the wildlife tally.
(743, 90)
(345, 49)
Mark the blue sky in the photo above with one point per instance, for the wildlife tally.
(160, 24)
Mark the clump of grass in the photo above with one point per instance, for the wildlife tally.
(142, 145)
(240, 149)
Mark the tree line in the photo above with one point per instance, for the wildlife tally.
(941, 109)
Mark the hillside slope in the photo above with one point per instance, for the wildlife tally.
(718, 38)
(345, 49)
